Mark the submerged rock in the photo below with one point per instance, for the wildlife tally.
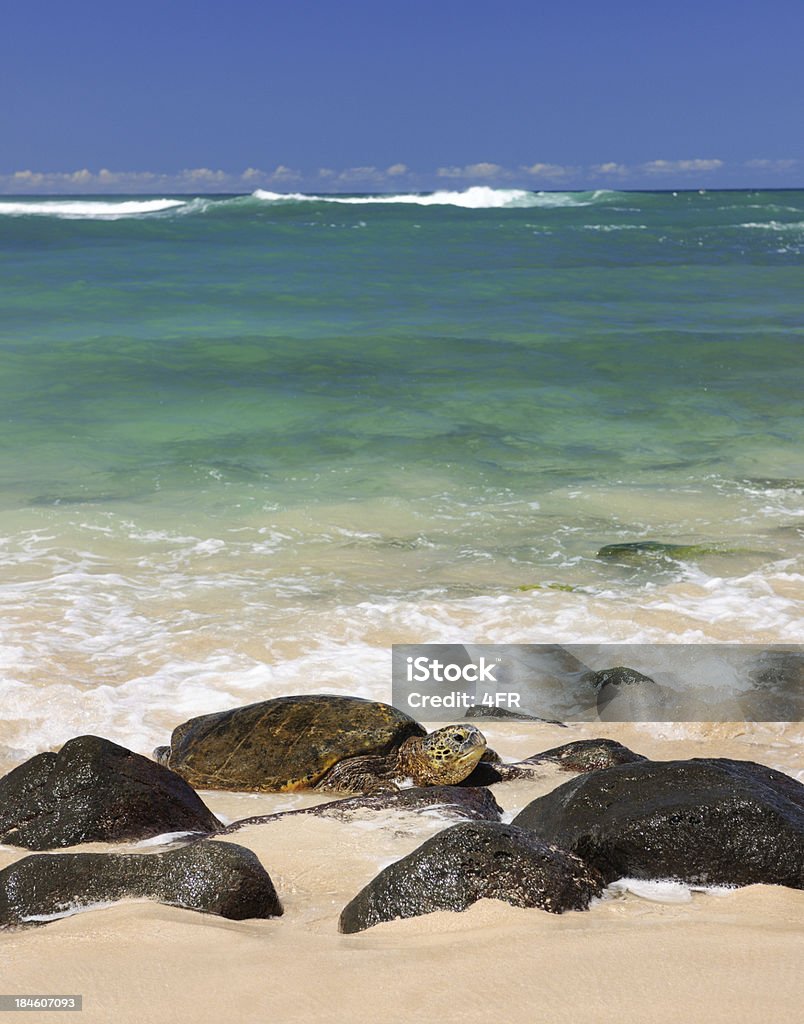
(654, 550)
(708, 821)
(95, 791)
(211, 877)
(473, 861)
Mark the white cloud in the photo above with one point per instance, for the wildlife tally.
(771, 165)
(371, 178)
(683, 166)
(481, 170)
(84, 180)
(26, 178)
(615, 169)
(285, 174)
(368, 175)
(203, 176)
(540, 170)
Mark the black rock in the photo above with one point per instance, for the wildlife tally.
(587, 755)
(475, 804)
(95, 791)
(778, 688)
(617, 676)
(214, 878)
(625, 695)
(484, 773)
(578, 756)
(710, 821)
(472, 861)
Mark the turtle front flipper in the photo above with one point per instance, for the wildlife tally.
(370, 774)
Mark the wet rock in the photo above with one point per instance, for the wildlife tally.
(625, 695)
(473, 804)
(617, 676)
(211, 877)
(504, 715)
(778, 687)
(472, 861)
(485, 773)
(578, 756)
(709, 821)
(95, 791)
(587, 755)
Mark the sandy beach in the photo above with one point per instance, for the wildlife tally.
(665, 955)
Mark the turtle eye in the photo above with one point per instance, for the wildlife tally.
(459, 737)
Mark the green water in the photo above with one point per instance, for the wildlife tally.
(241, 434)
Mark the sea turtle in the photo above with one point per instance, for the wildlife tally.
(320, 741)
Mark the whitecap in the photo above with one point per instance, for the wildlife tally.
(774, 225)
(88, 209)
(478, 197)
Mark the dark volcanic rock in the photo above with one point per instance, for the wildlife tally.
(578, 756)
(620, 675)
(475, 804)
(703, 821)
(469, 862)
(484, 773)
(625, 695)
(214, 878)
(587, 755)
(95, 791)
(778, 693)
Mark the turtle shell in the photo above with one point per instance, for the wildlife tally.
(284, 744)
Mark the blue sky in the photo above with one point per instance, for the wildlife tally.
(349, 95)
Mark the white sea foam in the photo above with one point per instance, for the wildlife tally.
(81, 209)
(663, 890)
(71, 911)
(165, 839)
(478, 197)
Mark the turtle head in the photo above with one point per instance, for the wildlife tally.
(447, 756)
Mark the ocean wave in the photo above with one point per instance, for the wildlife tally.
(88, 209)
(774, 225)
(479, 197)
(615, 227)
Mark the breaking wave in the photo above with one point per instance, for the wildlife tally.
(92, 209)
(479, 197)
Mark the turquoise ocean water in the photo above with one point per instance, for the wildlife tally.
(251, 441)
